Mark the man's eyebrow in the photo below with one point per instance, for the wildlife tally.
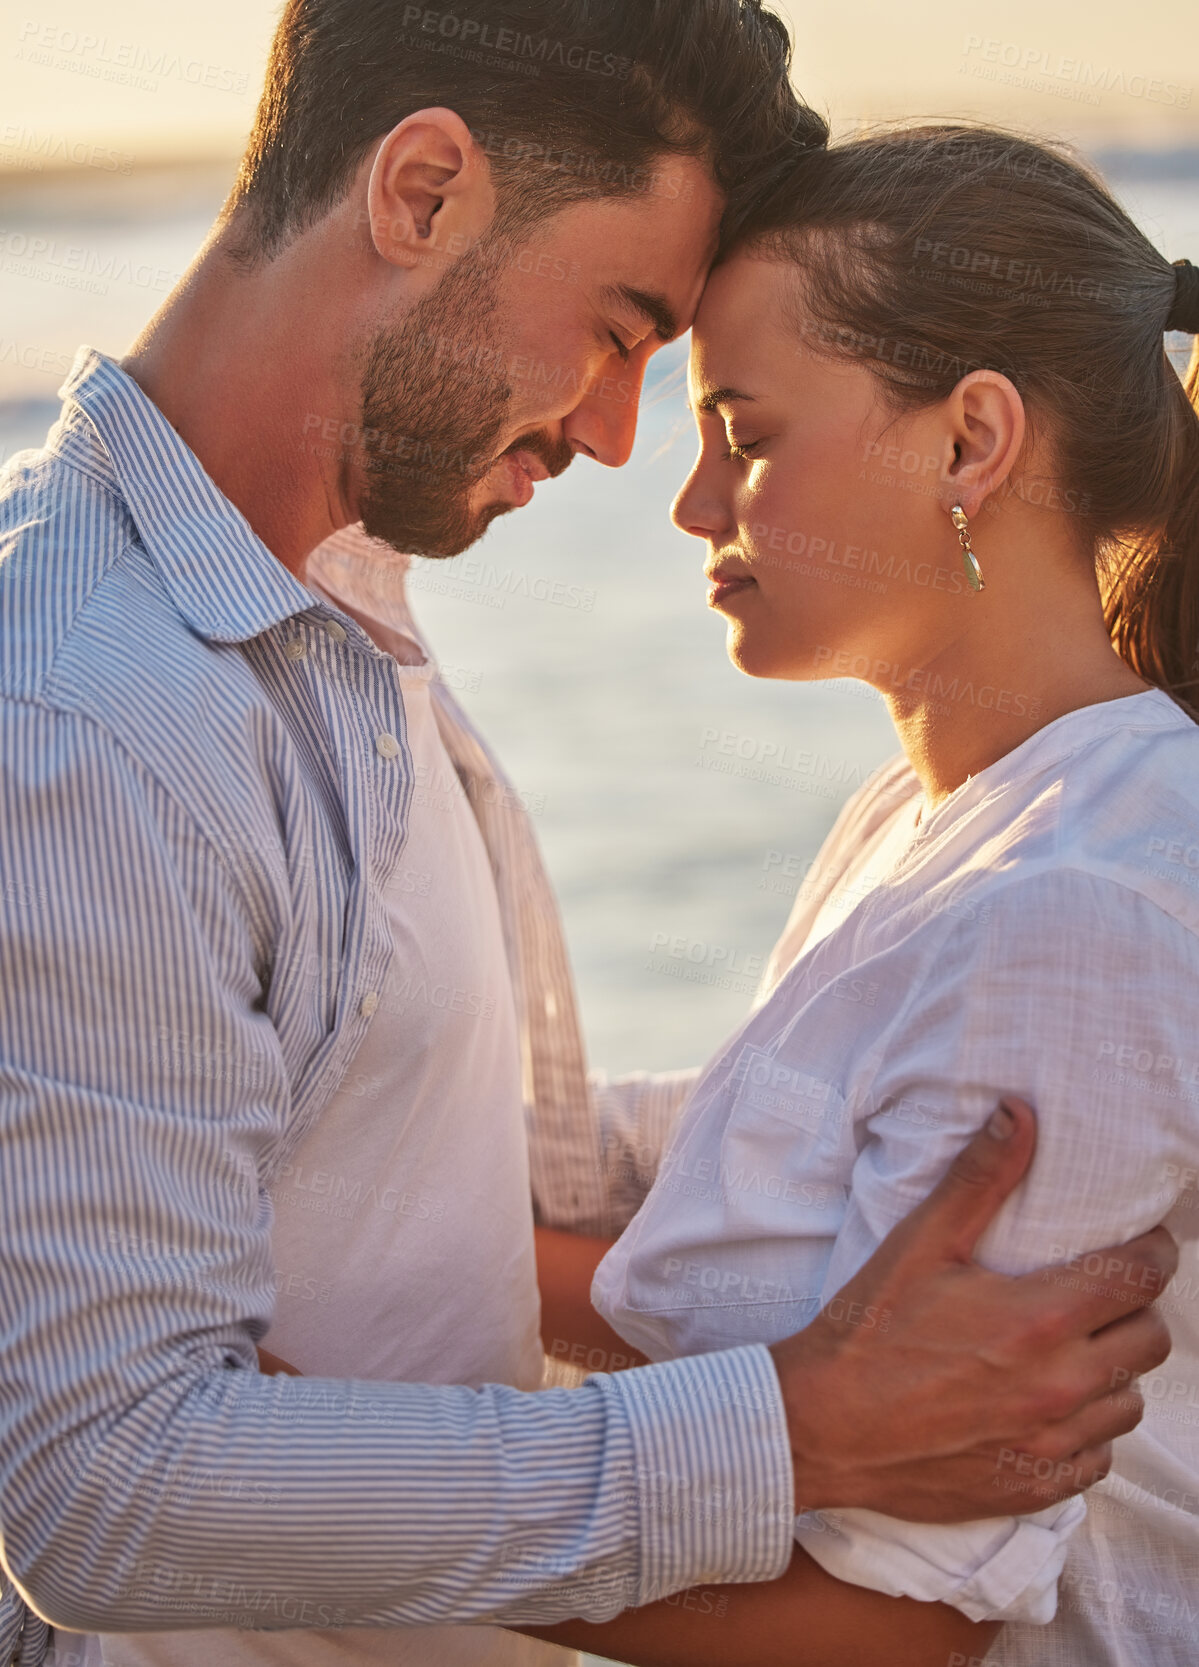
(707, 402)
(655, 308)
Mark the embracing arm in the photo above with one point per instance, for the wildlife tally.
(1024, 1354)
(805, 1619)
(973, 1365)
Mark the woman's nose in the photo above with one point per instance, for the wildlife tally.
(697, 508)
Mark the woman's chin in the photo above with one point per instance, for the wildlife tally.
(751, 653)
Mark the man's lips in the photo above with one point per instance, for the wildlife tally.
(523, 469)
(530, 463)
(726, 582)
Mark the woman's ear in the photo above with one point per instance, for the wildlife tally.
(430, 187)
(986, 432)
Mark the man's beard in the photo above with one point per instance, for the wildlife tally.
(434, 404)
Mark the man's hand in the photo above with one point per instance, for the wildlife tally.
(982, 1395)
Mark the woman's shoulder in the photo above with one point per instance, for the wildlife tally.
(1128, 812)
(1110, 794)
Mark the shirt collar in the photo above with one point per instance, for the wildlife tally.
(220, 575)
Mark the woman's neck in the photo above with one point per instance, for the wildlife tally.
(1015, 669)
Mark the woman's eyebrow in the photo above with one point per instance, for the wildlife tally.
(708, 402)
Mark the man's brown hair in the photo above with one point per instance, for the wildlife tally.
(569, 99)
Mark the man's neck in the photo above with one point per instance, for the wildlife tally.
(255, 394)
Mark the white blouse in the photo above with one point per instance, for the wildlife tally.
(1037, 933)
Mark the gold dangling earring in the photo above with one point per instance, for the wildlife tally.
(974, 572)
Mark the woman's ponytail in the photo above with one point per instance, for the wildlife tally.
(1151, 598)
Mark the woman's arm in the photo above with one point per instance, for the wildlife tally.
(571, 1330)
(270, 1366)
(805, 1619)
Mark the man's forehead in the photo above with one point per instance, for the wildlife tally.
(646, 253)
(672, 198)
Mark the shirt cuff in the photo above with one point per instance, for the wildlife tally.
(712, 1479)
(1003, 1569)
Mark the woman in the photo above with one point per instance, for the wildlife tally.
(942, 449)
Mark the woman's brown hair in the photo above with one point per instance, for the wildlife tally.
(928, 252)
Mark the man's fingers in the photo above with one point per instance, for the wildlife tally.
(1107, 1419)
(1046, 1474)
(1047, 1482)
(1094, 1463)
(1121, 1352)
(1106, 1285)
(1095, 1425)
(959, 1209)
(1098, 1370)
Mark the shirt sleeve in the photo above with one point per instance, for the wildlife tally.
(636, 1116)
(150, 1477)
(1077, 994)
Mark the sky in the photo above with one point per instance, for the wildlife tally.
(115, 83)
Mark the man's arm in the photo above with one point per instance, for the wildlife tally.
(972, 1368)
(150, 1476)
(1060, 1345)
(976, 1366)
(808, 1618)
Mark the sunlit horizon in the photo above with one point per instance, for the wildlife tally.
(137, 86)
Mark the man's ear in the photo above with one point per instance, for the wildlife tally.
(986, 428)
(430, 188)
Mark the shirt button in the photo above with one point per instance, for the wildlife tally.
(386, 745)
(369, 1003)
(336, 630)
(295, 649)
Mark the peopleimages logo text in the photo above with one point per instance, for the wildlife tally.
(531, 48)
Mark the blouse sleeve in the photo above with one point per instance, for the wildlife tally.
(1078, 994)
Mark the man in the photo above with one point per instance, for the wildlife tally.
(238, 857)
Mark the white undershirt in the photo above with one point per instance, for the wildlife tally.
(409, 1199)
(1038, 933)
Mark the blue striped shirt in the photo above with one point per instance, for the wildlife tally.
(192, 846)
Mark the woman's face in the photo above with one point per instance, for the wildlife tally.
(830, 549)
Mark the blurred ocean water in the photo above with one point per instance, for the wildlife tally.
(677, 801)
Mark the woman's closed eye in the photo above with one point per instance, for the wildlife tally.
(743, 451)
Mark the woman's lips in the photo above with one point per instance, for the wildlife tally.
(723, 587)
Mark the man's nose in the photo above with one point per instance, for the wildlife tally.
(603, 424)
